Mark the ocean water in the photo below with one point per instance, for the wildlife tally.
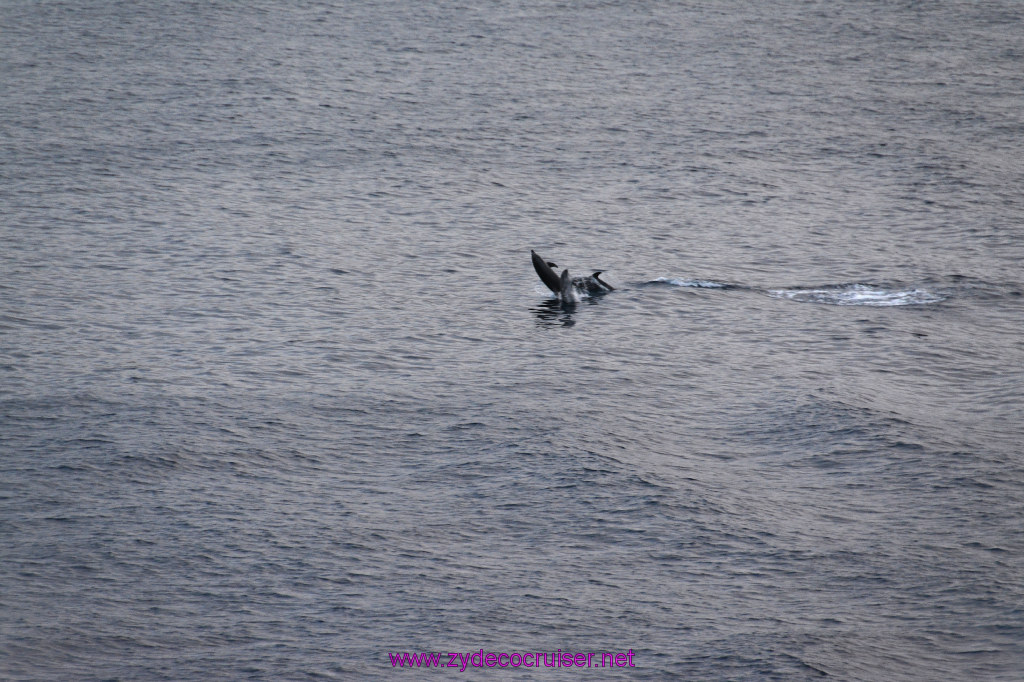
(280, 393)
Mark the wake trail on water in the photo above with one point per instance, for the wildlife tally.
(848, 294)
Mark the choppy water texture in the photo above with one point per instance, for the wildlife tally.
(281, 392)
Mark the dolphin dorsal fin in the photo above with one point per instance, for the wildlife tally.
(597, 278)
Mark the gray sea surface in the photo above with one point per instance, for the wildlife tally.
(281, 394)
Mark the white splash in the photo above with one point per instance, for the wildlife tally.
(859, 294)
(700, 283)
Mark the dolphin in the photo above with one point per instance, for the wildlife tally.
(593, 284)
(546, 274)
(566, 290)
(566, 286)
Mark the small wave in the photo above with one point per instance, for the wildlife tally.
(858, 294)
(699, 283)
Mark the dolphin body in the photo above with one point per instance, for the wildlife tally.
(565, 286)
(546, 274)
(566, 291)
